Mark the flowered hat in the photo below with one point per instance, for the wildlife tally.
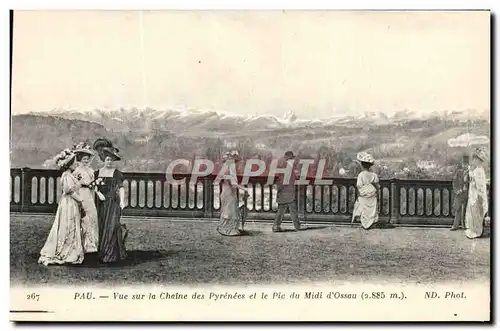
(64, 158)
(365, 157)
(82, 148)
(481, 153)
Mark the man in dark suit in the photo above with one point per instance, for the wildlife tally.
(286, 198)
(460, 193)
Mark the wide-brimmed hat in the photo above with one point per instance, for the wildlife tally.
(481, 154)
(82, 149)
(365, 157)
(289, 155)
(105, 148)
(64, 158)
(111, 152)
(234, 154)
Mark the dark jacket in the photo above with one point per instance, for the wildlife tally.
(461, 182)
(286, 193)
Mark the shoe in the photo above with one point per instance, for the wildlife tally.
(453, 229)
(278, 230)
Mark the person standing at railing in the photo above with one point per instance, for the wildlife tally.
(460, 193)
(64, 242)
(366, 207)
(230, 217)
(286, 197)
(477, 204)
(85, 175)
(112, 233)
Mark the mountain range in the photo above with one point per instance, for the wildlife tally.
(149, 138)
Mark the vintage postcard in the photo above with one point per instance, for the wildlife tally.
(250, 165)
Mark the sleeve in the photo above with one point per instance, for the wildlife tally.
(67, 185)
(480, 179)
(359, 182)
(375, 179)
(70, 187)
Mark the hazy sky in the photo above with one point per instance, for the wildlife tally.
(315, 63)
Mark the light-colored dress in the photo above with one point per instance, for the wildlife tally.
(64, 243)
(90, 229)
(477, 204)
(366, 206)
(229, 211)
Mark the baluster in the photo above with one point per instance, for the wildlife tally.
(138, 193)
(261, 197)
(163, 194)
(424, 213)
(407, 188)
(47, 189)
(441, 210)
(330, 206)
(270, 197)
(195, 206)
(170, 195)
(254, 196)
(313, 189)
(339, 195)
(54, 188)
(433, 198)
(322, 190)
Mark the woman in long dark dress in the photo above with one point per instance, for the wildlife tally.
(109, 182)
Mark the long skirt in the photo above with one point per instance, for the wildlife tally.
(64, 243)
(230, 214)
(90, 229)
(112, 234)
(474, 220)
(367, 211)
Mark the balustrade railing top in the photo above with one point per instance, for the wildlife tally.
(150, 194)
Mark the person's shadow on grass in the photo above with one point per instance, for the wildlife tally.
(134, 257)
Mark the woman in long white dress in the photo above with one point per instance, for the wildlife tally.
(477, 203)
(230, 217)
(64, 242)
(85, 175)
(366, 207)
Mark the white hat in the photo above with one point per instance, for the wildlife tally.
(365, 157)
(481, 153)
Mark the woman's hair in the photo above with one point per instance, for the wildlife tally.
(68, 165)
(366, 165)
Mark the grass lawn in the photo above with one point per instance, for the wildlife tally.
(184, 252)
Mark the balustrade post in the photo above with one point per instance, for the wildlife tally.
(394, 202)
(301, 203)
(25, 189)
(208, 197)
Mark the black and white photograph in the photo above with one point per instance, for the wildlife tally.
(277, 165)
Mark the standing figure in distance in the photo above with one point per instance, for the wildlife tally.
(367, 204)
(109, 180)
(229, 211)
(85, 175)
(286, 197)
(477, 203)
(64, 242)
(460, 193)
